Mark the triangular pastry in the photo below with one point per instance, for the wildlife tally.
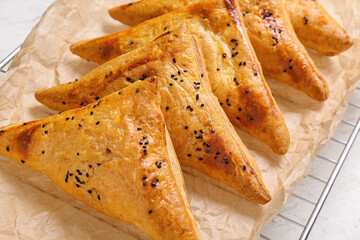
(113, 155)
(202, 135)
(316, 29)
(279, 51)
(234, 72)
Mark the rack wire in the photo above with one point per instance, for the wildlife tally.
(288, 221)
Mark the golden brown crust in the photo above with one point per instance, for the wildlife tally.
(235, 74)
(202, 135)
(314, 26)
(271, 35)
(316, 29)
(281, 54)
(94, 154)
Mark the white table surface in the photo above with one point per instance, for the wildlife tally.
(340, 217)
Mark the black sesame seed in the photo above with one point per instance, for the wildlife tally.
(228, 24)
(106, 76)
(137, 90)
(172, 75)
(78, 154)
(174, 60)
(144, 184)
(108, 150)
(22, 161)
(238, 118)
(208, 145)
(167, 108)
(43, 152)
(111, 73)
(150, 211)
(98, 196)
(240, 109)
(218, 69)
(78, 171)
(207, 151)
(145, 152)
(285, 71)
(144, 177)
(171, 84)
(218, 153)
(181, 80)
(200, 159)
(89, 191)
(244, 167)
(213, 130)
(80, 125)
(87, 175)
(99, 164)
(145, 136)
(255, 74)
(153, 184)
(202, 75)
(72, 118)
(224, 55)
(186, 127)
(7, 149)
(43, 125)
(159, 165)
(202, 105)
(198, 149)
(244, 63)
(185, 70)
(195, 131)
(46, 132)
(290, 67)
(226, 162)
(97, 123)
(247, 91)
(168, 32)
(189, 155)
(77, 185)
(90, 166)
(251, 118)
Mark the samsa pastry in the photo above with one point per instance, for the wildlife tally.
(203, 137)
(268, 25)
(235, 74)
(115, 156)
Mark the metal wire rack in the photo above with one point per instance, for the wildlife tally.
(304, 200)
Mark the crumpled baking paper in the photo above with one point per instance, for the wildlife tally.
(32, 207)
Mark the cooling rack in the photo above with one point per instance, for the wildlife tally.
(299, 214)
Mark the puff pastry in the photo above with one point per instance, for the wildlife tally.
(115, 156)
(316, 29)
(280, 53)
(203, 137)
(235, 74)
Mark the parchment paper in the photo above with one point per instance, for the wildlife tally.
(32, 207)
